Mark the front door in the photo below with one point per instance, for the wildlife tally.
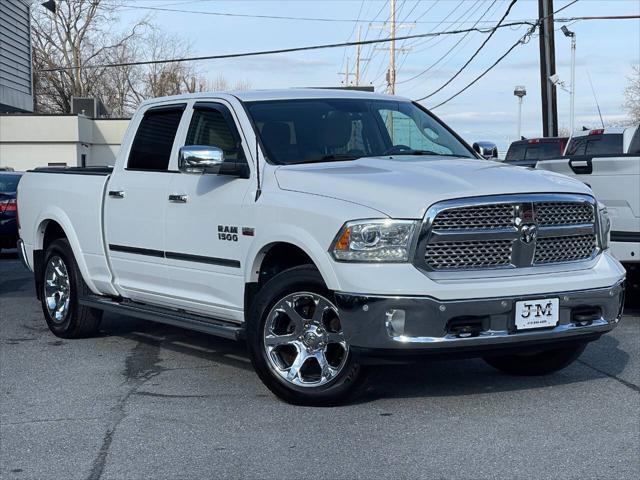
(204, 238)
(135, 207)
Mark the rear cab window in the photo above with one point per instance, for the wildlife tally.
(591, 145)
(152, 145)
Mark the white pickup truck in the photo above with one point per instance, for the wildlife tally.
(608, 161)
(331, 230)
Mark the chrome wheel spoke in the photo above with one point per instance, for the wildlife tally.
(274, 340)
(321, 306)
(293, 372)
(293, 315)
(327, 371)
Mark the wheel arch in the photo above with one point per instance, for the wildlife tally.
(279, 254)
(52, 226)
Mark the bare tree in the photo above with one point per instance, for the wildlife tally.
(632, 95)
(80, 33)
(91, 58)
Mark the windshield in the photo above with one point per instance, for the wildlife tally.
(9, 183)
(323, 130)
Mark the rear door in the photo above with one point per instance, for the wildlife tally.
(135, 205)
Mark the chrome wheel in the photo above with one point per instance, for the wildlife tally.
(303, 340)
(57, 289)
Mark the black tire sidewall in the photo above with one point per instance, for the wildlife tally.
(297, 279)
(62, 249)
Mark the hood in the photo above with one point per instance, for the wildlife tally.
(404, 187)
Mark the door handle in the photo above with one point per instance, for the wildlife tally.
(116, 193)
(178, 198)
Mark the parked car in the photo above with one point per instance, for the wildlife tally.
(608, 160)
(8, 226)
(325, 235)
(527, 152)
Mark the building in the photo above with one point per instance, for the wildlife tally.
(16, 81)
(28, 140)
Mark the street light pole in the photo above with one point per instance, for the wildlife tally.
(520, 91)
(572, 92)
(573, 82)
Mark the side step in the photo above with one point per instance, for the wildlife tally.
(176, 318)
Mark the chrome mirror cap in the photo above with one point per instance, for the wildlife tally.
(200, 159)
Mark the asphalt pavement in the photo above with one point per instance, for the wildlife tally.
(144, 400)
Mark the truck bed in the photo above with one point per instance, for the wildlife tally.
(73, 198)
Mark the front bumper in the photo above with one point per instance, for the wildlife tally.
(432, 326)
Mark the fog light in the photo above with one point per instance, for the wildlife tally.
(395, 322)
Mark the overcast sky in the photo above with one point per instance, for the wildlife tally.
(487, 111)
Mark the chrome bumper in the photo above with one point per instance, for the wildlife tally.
(433, 325)
(22, 253)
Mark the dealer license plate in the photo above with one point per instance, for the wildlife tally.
(537, 313)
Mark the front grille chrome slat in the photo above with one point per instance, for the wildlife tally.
(564, 249)
(499, 235)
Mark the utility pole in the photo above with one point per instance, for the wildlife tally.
(347, 74)
(391, 74)
(393, 28)
(358, 57)
(547, 69)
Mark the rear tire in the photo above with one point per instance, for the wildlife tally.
(62, 286)
(296, 344)
(540, 363)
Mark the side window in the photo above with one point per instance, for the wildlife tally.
(213, 126)
(577, 146)
(607, 144)
(634, 146)
(151, 149)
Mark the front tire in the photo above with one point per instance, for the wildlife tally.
(296, 344)
(62, 285)
(539, 363)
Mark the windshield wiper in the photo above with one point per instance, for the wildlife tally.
(335, 157)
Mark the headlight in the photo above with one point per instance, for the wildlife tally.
(374, 241)
(605, 226)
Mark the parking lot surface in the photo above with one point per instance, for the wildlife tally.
(150, 401)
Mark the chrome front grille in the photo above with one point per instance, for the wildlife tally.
(562, 213)
(470, 254)
(481, 216)
(564, 249)
(506, 232)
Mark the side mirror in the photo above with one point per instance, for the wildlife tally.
(200, 159)
(203, 159)
(488, 150)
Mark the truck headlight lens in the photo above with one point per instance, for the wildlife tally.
(605, 226)
(374, 241)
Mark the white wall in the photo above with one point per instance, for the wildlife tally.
(29, 141)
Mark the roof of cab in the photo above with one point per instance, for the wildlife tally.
(282, 94)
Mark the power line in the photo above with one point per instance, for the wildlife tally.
(286, 17)
(523, 39)
(448, 52)
(319, 47)
(475, 54)
(282, 50)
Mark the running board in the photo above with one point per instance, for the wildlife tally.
(212, 326)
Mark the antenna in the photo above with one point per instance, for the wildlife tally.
(595, 97)
(259, 187)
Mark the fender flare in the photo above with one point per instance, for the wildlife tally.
(295, 236)
(56, 214)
